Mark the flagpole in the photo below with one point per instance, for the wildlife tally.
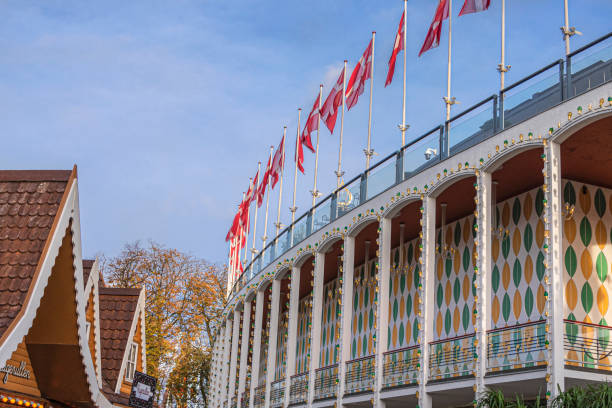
(339, 172)
(404, 127)
(255, 188)
(280, 188)
(566, 30)
(369, 151)
(448, 100)
(246, 239)
(502, 67)
(265, 234)
(315, 192)
(293, 208)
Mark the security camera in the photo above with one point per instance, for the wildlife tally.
(430, 152)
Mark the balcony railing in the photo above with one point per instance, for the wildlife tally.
(516, 347)
(277, 393)
(259, 396)
(359, 375)
(588, 345)
(326, 382)
(452, 357)
(580, 71)
(298, 389)
(246, 396)
(401, 367)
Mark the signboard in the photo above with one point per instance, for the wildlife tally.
(143, 389)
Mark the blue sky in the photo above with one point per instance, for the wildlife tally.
(167, 106)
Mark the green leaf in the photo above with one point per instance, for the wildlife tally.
(417, 278)
(602, 267)
(473, 287)
(371, 318)
(571, 262)
(528, 302)
(603, 334)
(585, 231)
(395, 309)
(360, 323)
(506, 246)
(447, 322)
(495, 278)
(402, 283)
(415, 330)
(586, 296)
(517, 272)
(528, 237)
(569, 195)
(539, 202)
(410, 254)
(571, 329)
(408, 305)
(440, 295)
(516, 211)
(456, 290)
(448, 267)
(466, 317)
(401, 333)
(466, 259)
(396, 258)
(506, 307)
(457, 233)
(540, 269)
(600, 203)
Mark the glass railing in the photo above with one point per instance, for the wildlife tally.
(277, 393)
(298, 389)
(401, 367)
(259, 396)
(359, 375)
(588, 67)
(451, 358)
(588, 345)
(326, 382)
(246, 397)
(516, 347)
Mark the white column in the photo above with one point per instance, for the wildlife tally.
(215, 372)
(244, 351)
(315, 330)
(225, 362)
(234, 357)
(259, 303)
(554, 267)
(272, 338)
(294, 305)
(426, 308)
(485, 208)
(348, 269)
(384, 272)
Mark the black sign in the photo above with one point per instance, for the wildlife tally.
(143, 389)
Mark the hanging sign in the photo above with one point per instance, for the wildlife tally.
(143, 390)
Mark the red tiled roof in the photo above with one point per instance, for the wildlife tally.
(29, 202)
(117, 308)
(87, 265)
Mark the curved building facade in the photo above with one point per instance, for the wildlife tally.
(427, 281)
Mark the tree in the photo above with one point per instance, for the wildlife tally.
(185, 297)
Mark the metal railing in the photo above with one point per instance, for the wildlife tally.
(326, 382)
(516, 347)
(588, 345)
(359, 375)
(277, 393)
(401, 367)
(259, 396)
(246, 397)
(452, 357)
(582, 70)
(298, 389)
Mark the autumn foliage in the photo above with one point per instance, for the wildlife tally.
(185, 297)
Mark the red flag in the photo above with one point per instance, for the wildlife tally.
(474, 6)
(398, 46)
(361, 73)
(234, 228)
(299, 154)
(312, 124)
(433, 35)
(329, 110)
(261, 190)
(250, 194)
(278, 162)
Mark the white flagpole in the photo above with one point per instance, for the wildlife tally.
(280, 188)
(246, 239)
(253, 250)
(293, 208)
(369, 151)
(339, 172)
(448, 99)
(566, 30)
(315, 192)
(502, 67)
(265, 234)
(404, 127)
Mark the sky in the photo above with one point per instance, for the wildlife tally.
(166, 107)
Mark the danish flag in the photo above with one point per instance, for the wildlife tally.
(261, 190)
(397, 47)
(433, 35)
(329, 110)
(361, 73)
(312, 124)
(474, 6)
(278, 162)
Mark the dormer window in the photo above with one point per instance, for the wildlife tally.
(131, 362)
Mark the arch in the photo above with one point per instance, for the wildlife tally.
(264, 283)
(496, 162)
(449, 180)
(250, 295)
(360, 224)
(282, 272)
(301, 258)
(579, 122)
(328, 242)
(397, 205)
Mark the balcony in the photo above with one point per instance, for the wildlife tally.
(326, 382)
(516, 347)
(298, 389)
(259, 396)
(401, 367)
(359, 375)
(277, 393)
(587, 346)
(451, 358)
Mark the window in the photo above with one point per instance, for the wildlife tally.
(131, 362)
